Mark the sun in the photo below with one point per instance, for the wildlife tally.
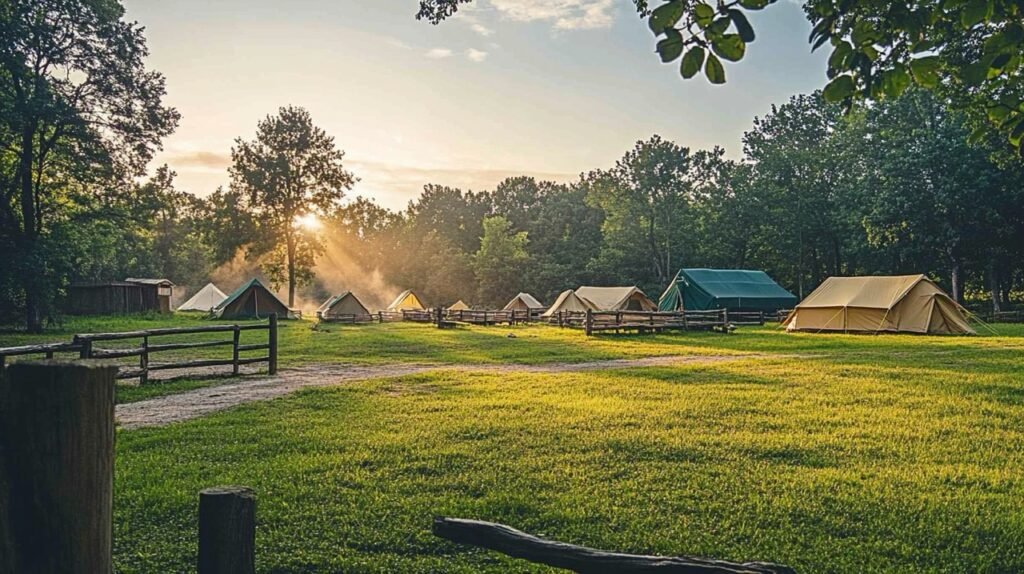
(308, 221)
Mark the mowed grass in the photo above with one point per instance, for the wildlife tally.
(832, 454)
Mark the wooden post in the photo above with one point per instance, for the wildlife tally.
(380, 316)
(589, 326)
(57, 467)
(227, 530)
(272, 343)
(236, 335)
(144, 361)
(85, 350)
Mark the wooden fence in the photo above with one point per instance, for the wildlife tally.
(57, 493)
(85, 345)
(644, 321)
(491, 317)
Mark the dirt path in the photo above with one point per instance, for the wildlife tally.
(200, 402)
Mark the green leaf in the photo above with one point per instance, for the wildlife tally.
(755, 4)
(729, 47)
(692, 62)
(840, 56)
(665, 16)
(839, 89)
(719, 26)
(703, 15)
(1017, 133)
(671, 47)
(713, 70)
(926, 71)
(974, 12)
(743, 27)
(895, 81)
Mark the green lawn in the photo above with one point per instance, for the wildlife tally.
(835, 454)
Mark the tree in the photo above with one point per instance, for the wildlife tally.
(500, 261)
(292, 169)
(79, 109)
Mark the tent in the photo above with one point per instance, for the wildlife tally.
(251, 301)
(617, 298)
(344, 304)
(523, 302)
(569, 302)
(407, 300)
(907, 303)
(206, 299)
(459, 305)
(733, 289)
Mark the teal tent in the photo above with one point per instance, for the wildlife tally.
(252, 301)
(733, 289)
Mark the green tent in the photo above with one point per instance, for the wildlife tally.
(733, 289)
(252, 301)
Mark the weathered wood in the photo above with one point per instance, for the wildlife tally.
(227, 530)
(235, 350)
(144, 362)
(585, 560)
(57, 467)
(272, 341)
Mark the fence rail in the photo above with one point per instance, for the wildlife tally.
(643, 321)
(490, 316)
(85, 346)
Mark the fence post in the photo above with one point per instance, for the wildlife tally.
(144, 361)
(85, 350)
(236, 336)
(380, 317)
(589, 326)
(57, 479)
(272, 343)
(227, 530)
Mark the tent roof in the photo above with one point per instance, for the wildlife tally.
(735, 283)
(402, 296)
(205, 299)
(254, 282)
(609, 297)
(144, 281)
(459, 305)
(530, 301)
(330, 303)
(876, 292)
(568, 300)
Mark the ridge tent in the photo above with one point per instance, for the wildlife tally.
(523, 302)
(459, 305)
(569, 302)
(252, 301)
(406, 300)
(344, 304)
(617, 298)
(732, 289)
(899, 304)
(206, 299)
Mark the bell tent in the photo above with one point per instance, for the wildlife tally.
(901, 304)
(345, 305)
(569, 302)
(252, 301)
(206, 299)
(459, 305)
(617, 298)
(406, 301)
(523, 302)
(732, 289)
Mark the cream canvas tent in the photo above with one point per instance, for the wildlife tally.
(906, 303)
(569, 302)
(204, 300)
(406, 300)
(459, 305)
(343, 305)
(617, 298)
(523, 302)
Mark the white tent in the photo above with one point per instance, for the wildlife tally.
(524, 302)
(204, 300)
(617, 298)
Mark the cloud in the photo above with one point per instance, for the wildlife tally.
(396, 43)
(198, 160)
(563, 14)
(438, 53)
(476, 55)
(480, 29)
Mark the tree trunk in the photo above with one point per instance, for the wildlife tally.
(291, 270)
(993, 279)
(30, 233)
(956, 280)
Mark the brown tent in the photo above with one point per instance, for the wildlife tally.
(569, 302)
(343, 305)
(906, 303)
(523, 302)
(617, 298)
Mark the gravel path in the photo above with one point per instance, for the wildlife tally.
(200, 402)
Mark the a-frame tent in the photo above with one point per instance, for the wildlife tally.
(407, 300)
(617, 298)
(900, 304)
(523, 302)
(344, 305)
(732, 289)
(459, 305)
(206, 299)
(253, 300)
(569, 302)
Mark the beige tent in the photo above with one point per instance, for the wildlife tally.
(907, 303)
(568, 301)
(523, 302)
(204, 300)
(459, 305)
(617, 298)
(342, 305)
(407, 300)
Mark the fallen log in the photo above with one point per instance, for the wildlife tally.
(581, 559)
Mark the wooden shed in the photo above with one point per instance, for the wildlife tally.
(120, 297)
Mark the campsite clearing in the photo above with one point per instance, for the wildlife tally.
(827, 452)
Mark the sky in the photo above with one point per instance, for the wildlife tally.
(547, 88)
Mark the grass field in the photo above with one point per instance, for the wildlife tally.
(834, 454)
